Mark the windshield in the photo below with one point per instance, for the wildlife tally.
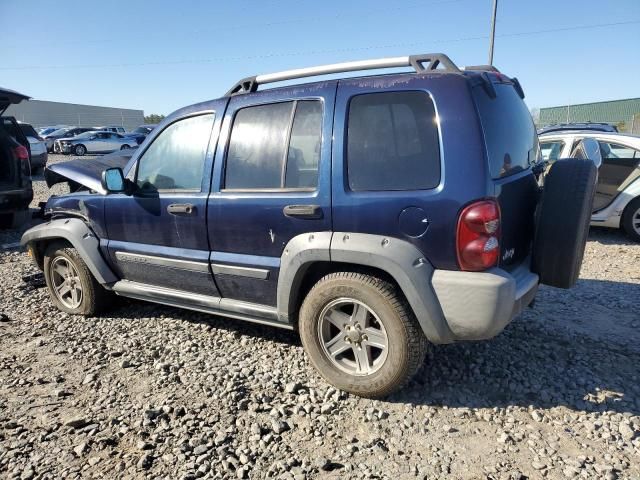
(46, 131)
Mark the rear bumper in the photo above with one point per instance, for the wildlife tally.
(479, 305)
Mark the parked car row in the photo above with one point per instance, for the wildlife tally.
(101, 141)
(52, 134)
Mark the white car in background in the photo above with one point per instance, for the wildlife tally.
(37, 147)
(617, 199)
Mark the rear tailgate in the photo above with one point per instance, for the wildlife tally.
(512, 148)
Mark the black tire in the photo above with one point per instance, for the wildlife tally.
(80, 150)
(15, 219)
(631, 219)
(125, 147)
(563, 221)
(407, 344)
(94, 297)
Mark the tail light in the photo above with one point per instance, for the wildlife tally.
(23, 154)
(478, 236)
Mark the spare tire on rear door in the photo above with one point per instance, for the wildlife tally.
(563, 221)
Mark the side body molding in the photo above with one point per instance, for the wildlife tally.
(78, 234)
(400, 259)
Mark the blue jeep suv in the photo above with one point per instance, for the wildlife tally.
(375, 215)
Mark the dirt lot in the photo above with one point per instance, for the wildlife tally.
(151, 391)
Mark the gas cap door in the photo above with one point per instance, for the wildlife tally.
(413, 222)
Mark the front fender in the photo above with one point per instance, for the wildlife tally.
(80, 236)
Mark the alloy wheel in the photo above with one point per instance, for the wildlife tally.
(66, 282)
(352, 337)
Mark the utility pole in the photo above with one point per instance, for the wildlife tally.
(493, 31)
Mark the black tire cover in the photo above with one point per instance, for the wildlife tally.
(563, 221)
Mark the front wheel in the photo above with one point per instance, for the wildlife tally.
(72, 287)
(125, 147)
(80, 150)
(631, 219)
(361, 334)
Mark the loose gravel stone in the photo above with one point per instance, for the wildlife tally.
(185, 395)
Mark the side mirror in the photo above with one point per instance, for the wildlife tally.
(113, 180)
(588, 149)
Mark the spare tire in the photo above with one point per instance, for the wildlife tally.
(563, 218)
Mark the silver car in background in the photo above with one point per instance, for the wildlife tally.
(617, 199)
(95, 142)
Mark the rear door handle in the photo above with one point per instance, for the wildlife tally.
(309, 212)
(181, 208)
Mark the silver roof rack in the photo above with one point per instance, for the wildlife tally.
(421, 63)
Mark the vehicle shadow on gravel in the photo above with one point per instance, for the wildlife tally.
(133, 309)
(576, 348)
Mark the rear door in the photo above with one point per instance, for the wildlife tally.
(271, 183)
(620, 166)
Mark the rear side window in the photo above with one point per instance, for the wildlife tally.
(392, 142)
(275, 146)
(509, 132)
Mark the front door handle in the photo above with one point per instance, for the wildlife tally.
(181, 208)
(309, 212)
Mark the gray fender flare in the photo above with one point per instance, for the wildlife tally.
(78, 234)
(399, 258)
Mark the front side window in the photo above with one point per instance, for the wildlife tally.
(392, 142)
(275, 146)
(175, 159)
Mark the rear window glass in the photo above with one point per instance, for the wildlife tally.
(28, 130)
(509, 132)
(392, 142)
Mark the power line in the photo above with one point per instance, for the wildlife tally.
(277, 23)
(314, 52)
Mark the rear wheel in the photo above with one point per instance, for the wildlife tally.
(80, 150)
(563, 221)
(631, 219)
(72, 287)
(360, 334)
(125, 147)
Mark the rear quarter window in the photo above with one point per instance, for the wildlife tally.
(392, 142)
(510, 135)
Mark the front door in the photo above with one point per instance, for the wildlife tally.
(271, 182)
(158, 235)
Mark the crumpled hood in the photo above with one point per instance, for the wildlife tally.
(86, 172)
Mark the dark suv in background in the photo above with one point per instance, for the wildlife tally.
(375, 215)
(16, 191)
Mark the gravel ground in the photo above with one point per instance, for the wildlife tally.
(151, 391)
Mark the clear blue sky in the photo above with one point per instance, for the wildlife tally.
(160, 55)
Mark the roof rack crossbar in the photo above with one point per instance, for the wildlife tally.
(421, 63)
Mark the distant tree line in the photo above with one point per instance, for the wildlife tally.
(153, 118)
